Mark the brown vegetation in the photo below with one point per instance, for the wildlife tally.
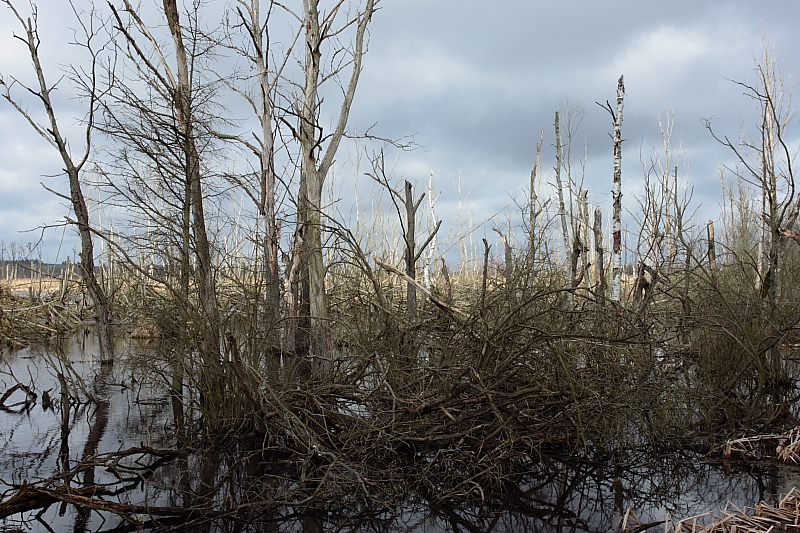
(338, 367)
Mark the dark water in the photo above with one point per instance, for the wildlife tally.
(554, 495)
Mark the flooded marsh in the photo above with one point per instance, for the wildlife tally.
(111, 444)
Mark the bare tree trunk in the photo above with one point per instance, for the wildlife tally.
(313, 170)
(712, 252)
(577, 273)
(562, 212)
(484, 277)
(265, 150)
(599, 265)
(534, 210)
(640, 287)
(432, 222)
(508, 256)
(583, 231)
(762, 233)
(73, 169)
(770, 185)
(448, 286)
(182, 101)
(673, 222)
(314, 328)
(616, 232)
(293, 335)
(411, 247)
(407, 208)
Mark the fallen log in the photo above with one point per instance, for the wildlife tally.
(31, 497)
(19, 386)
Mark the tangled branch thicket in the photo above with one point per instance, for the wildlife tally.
(466, 401)
(502, 369)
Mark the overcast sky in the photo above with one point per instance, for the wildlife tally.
(475, 81)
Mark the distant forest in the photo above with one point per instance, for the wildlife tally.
(24, 268)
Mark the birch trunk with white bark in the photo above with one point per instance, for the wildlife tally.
(616, 195)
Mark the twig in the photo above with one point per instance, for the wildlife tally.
(419, 287)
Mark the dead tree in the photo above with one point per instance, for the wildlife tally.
(254, 47)
(562, 211)
(767, 159)
(599, 260)
(157, 117)
(712, 252)
(74, 165)
(406, 207)
(317, 151)
(616, 194)
(508, 255)
(572, 114)
(534, 210)
(573, 225)
(183, 105)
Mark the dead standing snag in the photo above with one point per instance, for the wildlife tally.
(616, 194)
(318, 151)
(73, 165)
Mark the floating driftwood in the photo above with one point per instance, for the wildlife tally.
(763, 518)
(31, 497)
(784, 447)
(30, 395)
(40, 495)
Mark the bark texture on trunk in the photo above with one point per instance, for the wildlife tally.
(712, 252)
(266, 155)
(616, 195)
(534, 210)
(562, 211)
(599, 259)
(411, 246)
(313, 339)
(183, 106)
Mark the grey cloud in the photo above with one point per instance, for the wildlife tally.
(477, 81)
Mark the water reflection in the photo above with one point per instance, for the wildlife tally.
(118, 447)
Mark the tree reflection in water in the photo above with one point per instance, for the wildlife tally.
(266, 490)
(117, 453)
